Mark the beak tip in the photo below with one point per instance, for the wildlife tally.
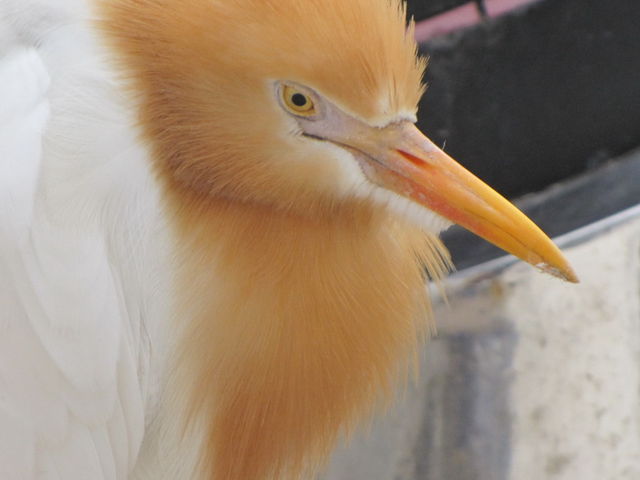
(564, 272)
(571, 277)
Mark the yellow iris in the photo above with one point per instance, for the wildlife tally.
(297, 102)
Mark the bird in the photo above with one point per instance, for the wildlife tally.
(217, 221)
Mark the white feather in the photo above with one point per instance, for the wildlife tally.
(76, 294)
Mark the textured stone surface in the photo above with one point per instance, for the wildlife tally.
(575, 390)
(529, 378)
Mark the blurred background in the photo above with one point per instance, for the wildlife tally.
(529, 378)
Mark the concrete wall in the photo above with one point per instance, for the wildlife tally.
(529, 378)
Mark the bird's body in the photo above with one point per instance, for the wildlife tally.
(178, 297)
(80, 227)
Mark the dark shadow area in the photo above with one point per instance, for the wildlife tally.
(421, 9)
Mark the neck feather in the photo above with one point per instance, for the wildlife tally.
(293, 329)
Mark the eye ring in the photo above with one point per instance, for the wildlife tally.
(298, 102)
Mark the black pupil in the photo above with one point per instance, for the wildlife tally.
(299, 100)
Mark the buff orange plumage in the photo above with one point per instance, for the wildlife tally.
(241, 196)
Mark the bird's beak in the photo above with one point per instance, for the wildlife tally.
(400, 158)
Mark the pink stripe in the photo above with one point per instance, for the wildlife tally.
(463, 16)
(498, 7)
(448, 21)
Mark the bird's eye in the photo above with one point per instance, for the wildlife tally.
(297, 102)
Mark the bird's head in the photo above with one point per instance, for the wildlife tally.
(308, 107)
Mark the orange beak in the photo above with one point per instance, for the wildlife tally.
(400, 158)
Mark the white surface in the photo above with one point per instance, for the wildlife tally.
(576, 383)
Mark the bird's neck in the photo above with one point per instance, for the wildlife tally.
(291, 329)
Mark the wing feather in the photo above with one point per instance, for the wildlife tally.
(71, 393)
